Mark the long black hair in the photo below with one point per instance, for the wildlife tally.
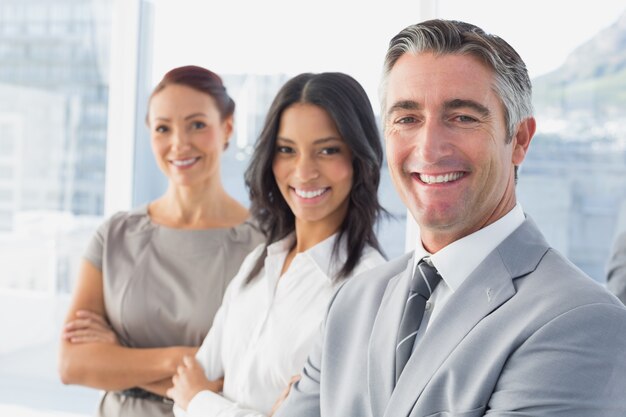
(347, 104)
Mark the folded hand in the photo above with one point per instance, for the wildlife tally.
(89, 327)
(190, 380)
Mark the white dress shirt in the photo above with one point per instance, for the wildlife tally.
(262, 333)
(458, 260)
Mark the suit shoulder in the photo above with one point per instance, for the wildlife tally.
(558, 281)
(377, 276)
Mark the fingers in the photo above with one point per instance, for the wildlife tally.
(295, 379)
(85, 336)
(172, 393)
(84, 339)
(90, 314)
(95, 317)
(87, 321)
(82, 324)
(90, 328)
(189, 364)
(283, 395)
(189, 379)
(190, 361)
(184, 368)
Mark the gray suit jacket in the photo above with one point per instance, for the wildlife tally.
(527, 334)
(616, 270)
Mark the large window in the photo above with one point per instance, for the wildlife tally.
(54, 65)
(73, 146)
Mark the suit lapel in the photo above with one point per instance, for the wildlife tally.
(381, 349)
(463, 311)
(487, 288)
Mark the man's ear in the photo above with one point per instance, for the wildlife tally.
(522, 138)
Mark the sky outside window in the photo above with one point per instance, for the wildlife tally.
(280, 36)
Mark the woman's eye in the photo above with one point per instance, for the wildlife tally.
(161, 129)
(198, 125)
(284, 149)
(330, 151)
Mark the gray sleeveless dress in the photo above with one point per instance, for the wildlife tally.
(163, 286)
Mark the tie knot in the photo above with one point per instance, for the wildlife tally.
(425, 279)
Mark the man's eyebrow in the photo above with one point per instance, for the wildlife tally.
(461, 103)
(404, 105)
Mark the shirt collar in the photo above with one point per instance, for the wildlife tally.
(321, 254)
(283, 245)
(456, 261)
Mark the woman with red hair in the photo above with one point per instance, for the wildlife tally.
(153, 278)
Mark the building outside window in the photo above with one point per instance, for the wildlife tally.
(54, 61)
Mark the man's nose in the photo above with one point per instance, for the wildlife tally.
(433, 142)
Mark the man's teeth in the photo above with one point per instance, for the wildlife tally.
(183, 162)
(438, 179)
(310, 194)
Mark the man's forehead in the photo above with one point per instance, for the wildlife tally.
(439, 65)
(442, 57)
(443, 78)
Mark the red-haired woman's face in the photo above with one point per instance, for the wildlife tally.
(188, 135)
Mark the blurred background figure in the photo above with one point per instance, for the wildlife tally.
(616, 269)
(153, 278)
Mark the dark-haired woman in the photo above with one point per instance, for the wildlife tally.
(313, 183)
(153, 278)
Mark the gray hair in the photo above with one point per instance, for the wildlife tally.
(440, 37)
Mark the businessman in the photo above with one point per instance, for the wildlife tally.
(484, 318)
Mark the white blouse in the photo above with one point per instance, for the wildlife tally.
(262, 333)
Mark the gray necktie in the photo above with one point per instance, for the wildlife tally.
(423, 283)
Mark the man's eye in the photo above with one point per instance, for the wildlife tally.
(406, 119)
(466, 119)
